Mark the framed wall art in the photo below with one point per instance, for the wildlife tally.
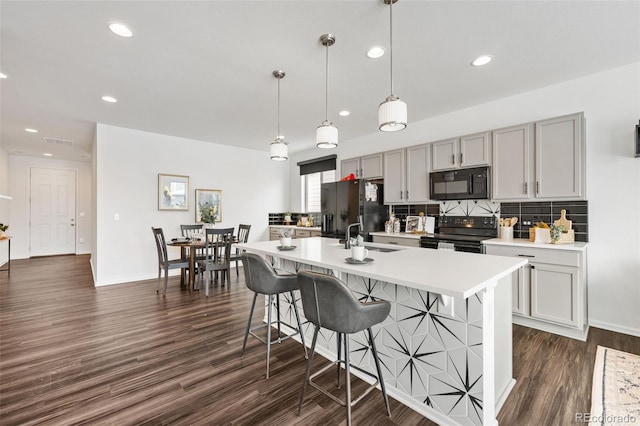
(173, 192)
(208, 205)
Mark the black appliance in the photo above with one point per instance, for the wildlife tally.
(344, 203)
(462, 184)
(461, 233)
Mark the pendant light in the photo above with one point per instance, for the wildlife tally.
(279, 150)
(392, 113)
(327, 133)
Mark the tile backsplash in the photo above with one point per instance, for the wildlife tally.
(577, 212)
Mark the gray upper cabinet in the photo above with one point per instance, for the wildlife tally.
(511, 158)
(406, 175)
(367, 167)
(394, 177)
(559, 163)
(542, 160)
(417, 174)
(467, 151)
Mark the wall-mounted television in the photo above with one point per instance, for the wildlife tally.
(638, 139)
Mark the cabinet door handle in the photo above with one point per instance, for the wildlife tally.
(407, 194)
(525, 255)
(392, 242)
(453, 159)
(401, 194)
(537, 187)
(526, 188)
(360, 172)
(460, 158)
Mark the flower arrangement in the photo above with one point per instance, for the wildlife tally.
(556, 231)
(3, 227)
(208, 212)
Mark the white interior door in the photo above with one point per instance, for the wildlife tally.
(53, 212)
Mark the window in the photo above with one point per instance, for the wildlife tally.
(310, 189)
(314, 173)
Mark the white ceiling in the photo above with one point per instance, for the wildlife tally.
(202, 69)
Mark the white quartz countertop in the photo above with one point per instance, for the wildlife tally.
(522, 242)
(397, 235)
(447, 272)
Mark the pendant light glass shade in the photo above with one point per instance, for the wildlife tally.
(279, 150)
(327, 133)
(392, 113)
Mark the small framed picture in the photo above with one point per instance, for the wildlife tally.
(208, 205)
(173, 192)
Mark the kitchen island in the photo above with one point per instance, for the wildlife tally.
(445, 348)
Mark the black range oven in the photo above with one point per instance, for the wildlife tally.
(461, 233)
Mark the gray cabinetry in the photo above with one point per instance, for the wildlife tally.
(559, 165)
(366, 167)
(406, 175)
(466, 151)
(550, 292)
(543, 160)
(511, 159)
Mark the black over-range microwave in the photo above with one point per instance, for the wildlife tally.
(462, 184)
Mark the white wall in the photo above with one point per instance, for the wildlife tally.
(611, 104)
(19, 184)
(127, 163)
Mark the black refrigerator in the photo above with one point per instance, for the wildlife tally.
(344, 203)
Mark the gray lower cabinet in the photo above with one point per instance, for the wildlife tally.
(549, 293)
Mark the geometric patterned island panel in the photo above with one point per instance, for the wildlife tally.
(429, 358)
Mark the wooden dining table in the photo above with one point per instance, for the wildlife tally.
(191, 246)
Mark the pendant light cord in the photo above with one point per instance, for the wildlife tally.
(278, 135)
(391, 41)
(326, 86)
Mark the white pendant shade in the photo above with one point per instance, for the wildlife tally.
(279, 150)
(392, 115)
(327, 135)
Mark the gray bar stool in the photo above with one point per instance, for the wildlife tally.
(328, 303)
(261, 278)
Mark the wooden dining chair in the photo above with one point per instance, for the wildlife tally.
(243, 237)
(164, 264)
(217, 254)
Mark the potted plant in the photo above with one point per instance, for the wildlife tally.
(3, 228)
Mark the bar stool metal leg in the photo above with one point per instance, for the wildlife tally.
(268, 333)
(339, 338)
(300, 332)
(246, 334)
(348, 376)
(309, 363)
(380, 378)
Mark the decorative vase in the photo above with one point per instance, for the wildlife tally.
(207, 225)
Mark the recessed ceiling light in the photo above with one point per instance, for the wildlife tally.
(109, 99)
(31, 130)
(2, 75)
(482, 60)
(375, 52)
(120, 29)
(344, 113)
(46, 154)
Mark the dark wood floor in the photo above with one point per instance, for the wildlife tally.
(74, 354)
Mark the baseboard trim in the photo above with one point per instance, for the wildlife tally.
(614, 327)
